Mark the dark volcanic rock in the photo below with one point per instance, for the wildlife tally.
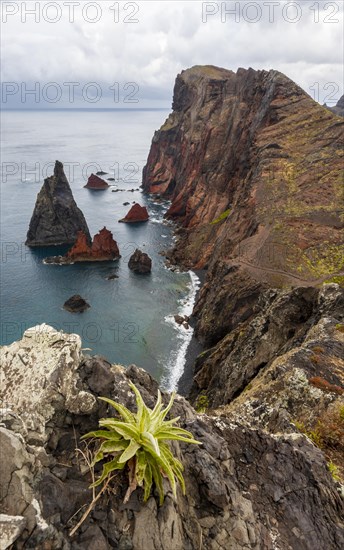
(140, 262)
(76, 304)
(111, 277)
(96, 183)
(136, 214)
(56, 219)
(244, 487)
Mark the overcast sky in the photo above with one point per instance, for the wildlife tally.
(138, 48)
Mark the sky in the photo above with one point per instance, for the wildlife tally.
(107, 54)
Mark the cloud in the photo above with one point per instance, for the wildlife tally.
(168, 37)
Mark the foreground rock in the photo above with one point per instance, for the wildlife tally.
(140, 262)
(103, 249)
(244, 487)
(136, 214)
(76, 304)
(56, 219)
(96, 183)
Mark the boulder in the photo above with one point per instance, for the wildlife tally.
(76, 304)
(56, 219)
(96, 183)
(11, 527)
(140, 262)
(137, 213)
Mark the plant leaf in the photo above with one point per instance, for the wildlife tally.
(123, 411)
(101, 434)
(128, 431)
(129, 452)
(150, 443)
(107, 469)
(148, 481)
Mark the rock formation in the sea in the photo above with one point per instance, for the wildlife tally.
(56, 219)
(140, 262)
(137, 213)
(245, 488)
(103, 248)
(76, 304)
(96, 183)
(339, 108)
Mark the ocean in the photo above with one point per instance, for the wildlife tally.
(131, 319)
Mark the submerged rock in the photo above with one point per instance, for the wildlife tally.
(76, 304)
(140, 262)
(112, 277)
(96, 183)
(137, 213)
(245, 488)
(56, 219)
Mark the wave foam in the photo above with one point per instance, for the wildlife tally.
(177, 359)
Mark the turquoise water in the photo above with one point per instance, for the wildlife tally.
(131, 318)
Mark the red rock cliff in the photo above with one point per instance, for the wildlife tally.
(253, 168)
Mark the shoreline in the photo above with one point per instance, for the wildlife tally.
(194, 347)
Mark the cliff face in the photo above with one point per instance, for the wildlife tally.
(56, 219)
(244, 487)
(243, 157)
(253, 168)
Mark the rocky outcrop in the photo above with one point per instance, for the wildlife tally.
(56, 219)
(244, 487)
(76, 304)
(96, 183)
(137, 213)
(103, 248)
(140, 262)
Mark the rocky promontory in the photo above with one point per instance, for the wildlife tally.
(103, 248)
(245, 488)
(253, 168)
(96, 183)
(136, 214)
(56, 219)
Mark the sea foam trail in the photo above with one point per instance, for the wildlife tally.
(177, 359)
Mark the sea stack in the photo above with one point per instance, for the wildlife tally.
(95, 183)
(137, 213)
(103, 249)
(56, 219)
(140, 262)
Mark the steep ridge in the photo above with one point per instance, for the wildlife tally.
(253, 167)
(254, 171)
